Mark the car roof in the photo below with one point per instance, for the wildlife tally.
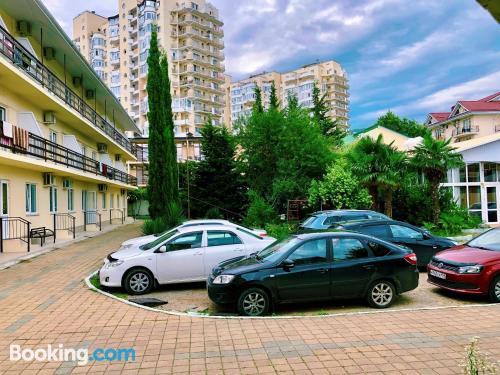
(319, 234)
(207, 221)
(355, 223)
(206, 227)
(330, 212)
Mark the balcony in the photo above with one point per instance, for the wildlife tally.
(463, 132)
(43, 149)
(18, 56)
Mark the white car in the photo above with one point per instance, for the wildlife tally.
(191, 223)
(182, 255)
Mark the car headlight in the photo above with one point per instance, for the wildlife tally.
(223, 279)
(113, 264)
(470, 269)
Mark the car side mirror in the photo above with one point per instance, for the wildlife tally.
(287, 264)
(162, 249)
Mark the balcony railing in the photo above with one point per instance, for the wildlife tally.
(142, 153)
(44, 149)
(463, 131)
(27, 63)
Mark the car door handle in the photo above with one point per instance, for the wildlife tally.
(200, 253)
(368, 267)
(239, 249)
(323, 270)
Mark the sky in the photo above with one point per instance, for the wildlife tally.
(410, 57)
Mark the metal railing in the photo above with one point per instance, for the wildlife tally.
(19, 56)
(64, 221)
(44, 149)
(92, 218)
(14, 228)
(465, 130)
(116, 214)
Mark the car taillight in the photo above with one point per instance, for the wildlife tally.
(263, 234)
(411, 258)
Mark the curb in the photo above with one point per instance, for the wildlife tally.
(194, 315)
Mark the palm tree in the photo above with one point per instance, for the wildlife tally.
(395, 165)
(434, 158)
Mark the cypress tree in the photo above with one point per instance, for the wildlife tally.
(257, 106)
(273, 98)
(330, 128)
(157, 182)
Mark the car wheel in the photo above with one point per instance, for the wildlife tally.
(138, 281)
(495, 290)
(253, 302)
(381, 294)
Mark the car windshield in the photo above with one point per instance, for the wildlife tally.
(309, 221)
(277, 249)
(158, 241)
(487, 241)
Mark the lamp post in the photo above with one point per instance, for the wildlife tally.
(188, 136)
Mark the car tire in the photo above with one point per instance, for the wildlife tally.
(495, 290)
(138, 281)
(253, 302)
(381, 294)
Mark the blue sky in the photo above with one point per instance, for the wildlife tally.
(411, 57)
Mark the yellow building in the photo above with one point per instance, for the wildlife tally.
(329, 76)
(63, 149)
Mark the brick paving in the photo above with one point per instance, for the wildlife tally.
(44, 301)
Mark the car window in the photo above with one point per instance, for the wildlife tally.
(378, 249)
(159, 240)
(405, 232)
(347, 249)
(248, 232)
(309, 221)
(376, 230)
(185, 241)
(331, 220)
(310, 252)
(353, 217)
(222, 238)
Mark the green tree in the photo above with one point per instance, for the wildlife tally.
(273, 98)
(159, 180)
(434, 158)
(216, 182)
(395, 165)
(405, 126)
(329, 127)
(257, 105)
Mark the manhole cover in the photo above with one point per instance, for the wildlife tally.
(151, 302)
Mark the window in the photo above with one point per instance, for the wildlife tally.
(53, 137)
(71, 200)
(311, 252)
(378, 250)
(103, 196)
(400, 231)
(347, 249)
(2, 114)
(186, 241)
(329, 220)
(376, 230)
(31, 199)
(475, 198)
(222, 238)
(53, 199)
(111, 201)
(473, 172)
(490, 172)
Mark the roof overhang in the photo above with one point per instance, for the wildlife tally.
(462, 115)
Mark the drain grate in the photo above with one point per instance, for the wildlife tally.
(150, 302)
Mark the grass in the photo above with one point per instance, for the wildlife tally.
(94, 280)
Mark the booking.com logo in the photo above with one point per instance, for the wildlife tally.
(61, 354)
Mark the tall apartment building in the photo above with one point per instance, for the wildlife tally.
(63, 149)
(330, 77)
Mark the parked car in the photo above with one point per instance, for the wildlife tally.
(423, 243)
(325, 219)
(315, 266)
(182, 255)
(192, 223)
(472, 268)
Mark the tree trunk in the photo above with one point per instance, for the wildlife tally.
(388, 203)
(373, 190)
(436, 209)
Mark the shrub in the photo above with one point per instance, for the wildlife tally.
(153, 226)
(280, 231)
(453, 221)
(475, 362)
(173, 217)
(259, 213)
(214, 213)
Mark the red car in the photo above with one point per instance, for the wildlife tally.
(472, 268)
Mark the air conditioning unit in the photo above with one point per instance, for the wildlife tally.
(49, 118)
(90, 94)
(77, 81)
(102, 188)
(49, 179)
(67, 183)
(24, 28)
(102, 148)
(49, 53)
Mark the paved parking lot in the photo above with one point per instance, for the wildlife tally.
(44, 301)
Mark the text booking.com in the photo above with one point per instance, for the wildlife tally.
(80, 356)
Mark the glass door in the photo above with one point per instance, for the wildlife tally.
(4, 206)
(492, 207)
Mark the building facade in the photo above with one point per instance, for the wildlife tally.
(474, 127)
(63, 148)
(329, 76)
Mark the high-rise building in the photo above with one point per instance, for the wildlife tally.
(330, 77)
(63, 148)
(191, 35)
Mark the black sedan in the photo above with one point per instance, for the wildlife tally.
(315, 266)
(423, 243)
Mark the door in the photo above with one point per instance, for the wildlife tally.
(4, 207)
(183, 259)
(424, 247)
(353, 267)
(221, 245)
(91, 207)
(309, 279)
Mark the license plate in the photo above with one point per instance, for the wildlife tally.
(438, 274)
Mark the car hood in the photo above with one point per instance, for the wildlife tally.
(139, 240)
(127, 252)
(466, 255)
(238, 266)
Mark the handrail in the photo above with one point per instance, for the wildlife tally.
(92, 218)
(19, 56)
(121, 215)
(17, 228)
(64, 221)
